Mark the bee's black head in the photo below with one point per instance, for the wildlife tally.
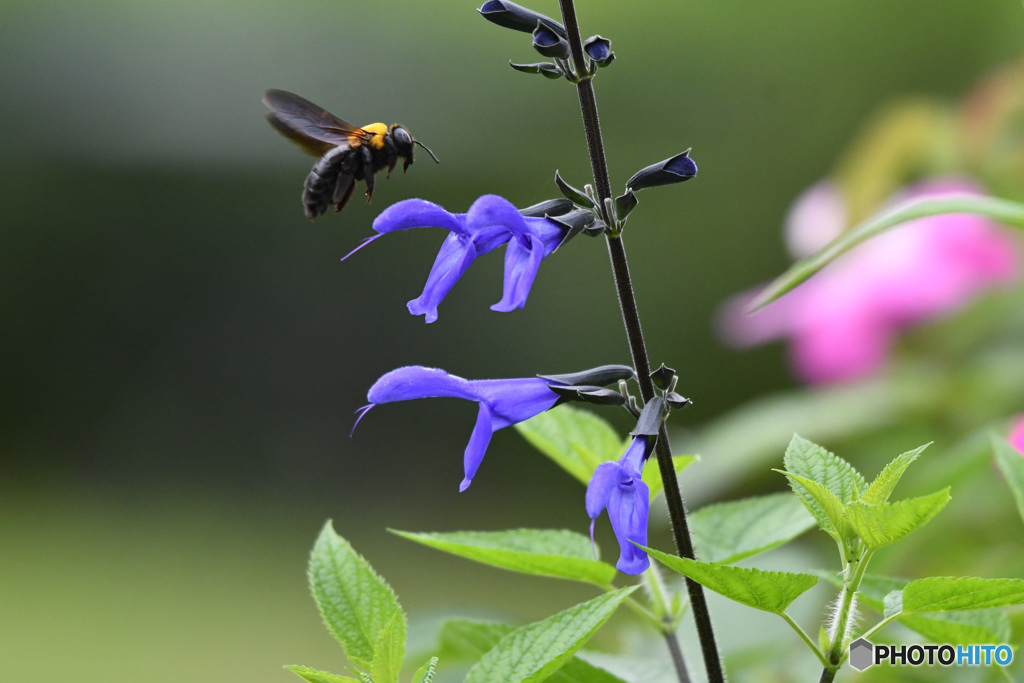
(403, 145)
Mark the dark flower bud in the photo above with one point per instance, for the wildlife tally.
(510, 15)
(551, 207)
(599, 49)
(677, 401)
(575, 222)
(546, 69)
(549, 43)
(663, 376)
(602, 375)
(673, 170)
(596, 395)
(649, 423)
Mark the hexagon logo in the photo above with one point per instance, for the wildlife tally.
(862, 654)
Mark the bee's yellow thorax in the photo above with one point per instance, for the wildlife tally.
(378, 130)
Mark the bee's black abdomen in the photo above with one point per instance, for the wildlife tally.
(322, 182)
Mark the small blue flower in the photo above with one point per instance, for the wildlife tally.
(490, 222)
(675, 169)
(549, 43)
(617, 487)
(503, 402)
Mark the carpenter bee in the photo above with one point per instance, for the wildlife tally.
(347, 153)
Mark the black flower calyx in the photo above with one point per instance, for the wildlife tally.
(546, 69)
(600, 50)
(578, 197)
(663, 377)
(650, 420)
(673, 170)
(551, 207)
(588, 394)
(518, 18)
(549, 43)
(676, 401)
(601, 376)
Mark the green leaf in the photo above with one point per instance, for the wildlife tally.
(880, 525)
(806, 459)
(892, 604)
(768, 591)
(947, 593)
(390, 651)
(578, 441)
(1000, 210)
(729, 532)
(314, 676)
(534, 652)
(355, 603)
(826, 508)
(956, 628)
(652, 473)
(885, 482)
(467, 640)
(425, 674)
(542, 552)
(1011, 464)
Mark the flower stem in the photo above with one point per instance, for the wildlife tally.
(641, 363)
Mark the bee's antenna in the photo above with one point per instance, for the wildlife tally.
(417, 142)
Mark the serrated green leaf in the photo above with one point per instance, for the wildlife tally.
(314, 676)
(534, 652)
(425, 674)
(768, 591)
(807, 459)
(983, 626)
(1000, 210)
(823, 505)
(356, 604)
(1011, 464)
(885, 482)
(947, 593)
(390, 651)
(652, 473)
(892, 604)
(729, 532)
(578, 441)
(468, 640)
(543, 552)
(886, 523)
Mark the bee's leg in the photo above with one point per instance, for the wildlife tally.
(343, 191)
(367, 158)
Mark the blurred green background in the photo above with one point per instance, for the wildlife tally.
(182, 350)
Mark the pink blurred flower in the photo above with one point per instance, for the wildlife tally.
(843, 321)
(1016, 437)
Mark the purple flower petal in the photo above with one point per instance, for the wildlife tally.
(514, 400)
(416, 381)
(617, 487)
(477, 447)
(455, 256)
(521, 264)
(418, 213)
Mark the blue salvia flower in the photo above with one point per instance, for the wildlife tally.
(490, 222)
(503, 402)
(617, 487)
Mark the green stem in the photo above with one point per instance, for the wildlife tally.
(806, 638)
(851, 584)
(641, 363)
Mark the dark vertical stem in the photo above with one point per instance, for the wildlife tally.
(641, 363)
